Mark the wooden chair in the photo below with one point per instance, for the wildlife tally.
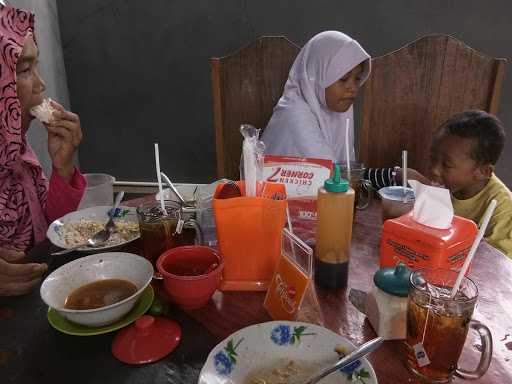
(411, 91)
(246, 86)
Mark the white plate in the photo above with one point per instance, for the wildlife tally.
(128, 214)
(261, 345)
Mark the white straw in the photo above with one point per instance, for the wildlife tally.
(404, 169)
(347, 149)
(159, 178)
(471, 254)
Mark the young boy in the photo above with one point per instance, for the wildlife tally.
(463, 155)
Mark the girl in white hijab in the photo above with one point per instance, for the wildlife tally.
(309, 119)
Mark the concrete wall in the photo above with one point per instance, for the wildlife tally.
(138, 71)
(51, 66)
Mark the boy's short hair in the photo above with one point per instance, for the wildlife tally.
(485, 129)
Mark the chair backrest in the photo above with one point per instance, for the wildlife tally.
(246, 86)
(411, 91)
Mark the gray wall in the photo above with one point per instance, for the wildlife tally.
(138, 71)
(51, 66)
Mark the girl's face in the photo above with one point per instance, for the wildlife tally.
(340, 95)
(29, 84)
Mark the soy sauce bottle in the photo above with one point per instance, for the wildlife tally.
(335, 211)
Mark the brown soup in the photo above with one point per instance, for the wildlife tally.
(100, 294)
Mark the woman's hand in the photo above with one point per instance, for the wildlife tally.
(15, 278)
(64, 136)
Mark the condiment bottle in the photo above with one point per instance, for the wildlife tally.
(386, 304)
(335, 211)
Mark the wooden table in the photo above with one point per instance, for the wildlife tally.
(33, 352)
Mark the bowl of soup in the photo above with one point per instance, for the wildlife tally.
(97, 290)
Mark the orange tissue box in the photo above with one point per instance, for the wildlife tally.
(420, 246)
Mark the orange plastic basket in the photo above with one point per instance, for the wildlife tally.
(249, 233)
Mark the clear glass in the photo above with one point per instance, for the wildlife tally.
(363, 188)
(99, 190)
(437, 326)
(158, 231)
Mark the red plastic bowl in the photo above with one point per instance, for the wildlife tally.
(191, 274)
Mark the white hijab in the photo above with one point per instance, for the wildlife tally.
(302, 125)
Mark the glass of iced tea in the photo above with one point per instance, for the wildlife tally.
(363, 188)
(159, 230)
(437, 326)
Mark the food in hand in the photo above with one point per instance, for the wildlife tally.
(44, 111)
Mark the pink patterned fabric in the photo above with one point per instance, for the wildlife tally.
(26, 199)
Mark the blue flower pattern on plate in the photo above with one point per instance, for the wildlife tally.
(283, 335)
(225, 361)
(222, 363)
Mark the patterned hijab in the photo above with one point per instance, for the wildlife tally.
(23, 187)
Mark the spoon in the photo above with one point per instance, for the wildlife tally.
(357, 354)
(173, 188)
(99, 237)
(229, 190)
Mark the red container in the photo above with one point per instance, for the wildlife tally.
(191, 274)
(420, 246)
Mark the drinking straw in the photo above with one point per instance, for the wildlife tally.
(471, 254)
(404, 173)
(347, 150)
(159, 178)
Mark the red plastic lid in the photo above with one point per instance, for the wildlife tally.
(148, 339)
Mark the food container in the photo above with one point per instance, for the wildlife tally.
(386, 304)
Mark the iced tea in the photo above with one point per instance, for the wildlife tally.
(437, 325)
(158, 230)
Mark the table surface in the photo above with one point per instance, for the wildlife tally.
(31, 351)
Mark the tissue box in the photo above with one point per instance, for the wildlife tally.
(419, 246)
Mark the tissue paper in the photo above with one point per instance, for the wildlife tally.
(433, 205)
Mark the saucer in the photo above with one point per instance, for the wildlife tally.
(63, 325)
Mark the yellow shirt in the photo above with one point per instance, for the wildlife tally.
(499, 230)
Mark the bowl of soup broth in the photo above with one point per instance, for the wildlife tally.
(97, 290)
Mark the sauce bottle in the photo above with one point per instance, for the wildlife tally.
(335, 211)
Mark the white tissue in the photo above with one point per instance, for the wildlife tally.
(43, 111)
(432, 206)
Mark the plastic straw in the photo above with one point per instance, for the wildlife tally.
(159, 178)
(404, 173)
(347, 149)
(471, 254)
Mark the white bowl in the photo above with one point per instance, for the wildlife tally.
(54, 232)
(261, 345)
(113, 265)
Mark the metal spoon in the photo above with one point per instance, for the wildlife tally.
(173, 188)
(357, 354)
(99, 237)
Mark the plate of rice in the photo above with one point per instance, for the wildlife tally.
(76, 227)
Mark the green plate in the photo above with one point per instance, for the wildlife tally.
(60, 323)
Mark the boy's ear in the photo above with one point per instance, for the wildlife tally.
(484, 172)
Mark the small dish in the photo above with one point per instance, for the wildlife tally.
(63, 325)
(55, 232)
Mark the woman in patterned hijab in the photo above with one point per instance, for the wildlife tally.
(27, 200)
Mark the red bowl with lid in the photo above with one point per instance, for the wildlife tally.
(191, 274)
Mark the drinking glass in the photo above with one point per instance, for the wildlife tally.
(159, 230)
(362, 187)
(437, 326)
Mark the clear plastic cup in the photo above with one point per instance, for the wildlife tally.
(99, 190)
